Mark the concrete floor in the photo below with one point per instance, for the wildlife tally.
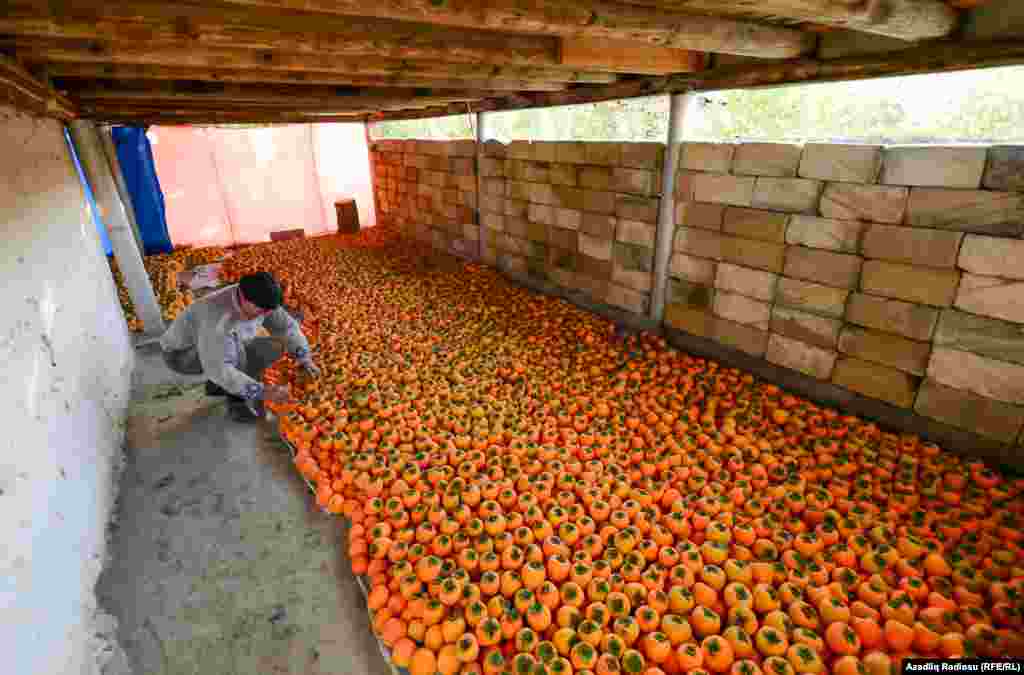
(220, 564)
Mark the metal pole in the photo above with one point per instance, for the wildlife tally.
(481, 138)
(679, 106)
(377, 216)
(90, 150)
(106, 136)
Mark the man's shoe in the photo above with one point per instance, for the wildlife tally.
(214, 389)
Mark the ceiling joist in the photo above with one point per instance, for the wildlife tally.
(941, 56)
(572, 18)
(903, 19)
(48, 50)
(271, 60)
(313, 35)
(165, 117)
(262, 93)
(98, 71)
(628, 57)
(21, 89)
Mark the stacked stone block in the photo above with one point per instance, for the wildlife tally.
(581, 216)
(429, 189)
(894, 272)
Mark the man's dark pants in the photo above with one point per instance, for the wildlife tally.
(260, 353)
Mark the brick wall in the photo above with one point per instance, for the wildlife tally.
(896, 273)
(429, 188)
(580, 216)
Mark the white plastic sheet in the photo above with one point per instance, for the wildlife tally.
(225, 186)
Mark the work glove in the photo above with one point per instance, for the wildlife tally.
(275, 393)
(311, 369)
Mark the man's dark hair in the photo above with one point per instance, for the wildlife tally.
(262, 290)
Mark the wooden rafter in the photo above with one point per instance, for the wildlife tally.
(628, 57)
(46, 50)
(277, 59)
(143, 118)
(569, 18)
(369, 105)
(263, 94)
(904, 19)
(97, 71)
(647, 86)
(20, 88)
(941, 56)
(930, 57)
(326, 36)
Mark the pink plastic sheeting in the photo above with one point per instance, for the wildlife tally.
(226, 186)
(344, 166)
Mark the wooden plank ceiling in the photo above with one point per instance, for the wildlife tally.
(264, 61)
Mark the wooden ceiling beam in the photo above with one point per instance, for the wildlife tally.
(296, 33)
(602, 19)
(646, 86)
(193, 118)
(628, 57)
(48, 50)
(261, 101)
(942, 56)
(932, 57)
(368, 105)
(260, 93)
(18, 87)
(929, 57)
(97, 71)
(911, 20)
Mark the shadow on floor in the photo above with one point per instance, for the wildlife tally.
(219, 562)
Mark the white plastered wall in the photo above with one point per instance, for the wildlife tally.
(66, 360)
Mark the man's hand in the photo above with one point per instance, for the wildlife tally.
(311, 369)
(275, 393)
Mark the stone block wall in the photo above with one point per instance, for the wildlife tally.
(893, 272)
(579, 216)
(429, 188)
(896, 273)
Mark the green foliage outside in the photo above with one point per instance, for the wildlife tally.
(970, 106)
(642, 119)
(436, 128)
(639, 119)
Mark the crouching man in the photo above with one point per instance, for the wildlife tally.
(216, 337)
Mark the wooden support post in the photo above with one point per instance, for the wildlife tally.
(90, 151)
(680, 106)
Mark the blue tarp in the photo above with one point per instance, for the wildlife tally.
(101, 228)
(136, 158)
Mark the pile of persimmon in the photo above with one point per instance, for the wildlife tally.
(163, 272)
(529, 494)
(134, 322)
